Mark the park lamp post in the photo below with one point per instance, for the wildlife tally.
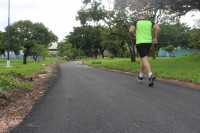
(8, 50)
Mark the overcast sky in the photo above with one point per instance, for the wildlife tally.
(57, 15)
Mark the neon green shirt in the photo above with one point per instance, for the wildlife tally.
(143, 31)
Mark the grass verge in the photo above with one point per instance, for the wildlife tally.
(17, 76)
(184, 68)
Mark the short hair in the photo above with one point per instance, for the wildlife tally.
(140, 14)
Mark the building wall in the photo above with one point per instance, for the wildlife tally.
(177, 52)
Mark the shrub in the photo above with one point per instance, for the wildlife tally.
(111, 56)
(13, 80)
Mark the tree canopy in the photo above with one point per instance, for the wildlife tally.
(117, 20)
(26, 35)
(175, 34)
(87, 38)
(184, 5)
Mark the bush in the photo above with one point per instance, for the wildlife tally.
(12, 80)
(111, 56)
(66, 58)
(8, 82)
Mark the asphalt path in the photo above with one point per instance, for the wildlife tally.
(90, 100)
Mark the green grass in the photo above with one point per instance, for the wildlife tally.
(185, 68)
(8, 75)
(32, 67)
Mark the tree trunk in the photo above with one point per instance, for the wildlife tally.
(153, 51)
(95, 53)
(132, 53)
(133, 58)
(132, 49)
(102, 50)
(26, 55)
(35, 57)
(24, 58)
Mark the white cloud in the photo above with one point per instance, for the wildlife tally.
(190, 18)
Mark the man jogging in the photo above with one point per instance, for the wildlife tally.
(143, 30)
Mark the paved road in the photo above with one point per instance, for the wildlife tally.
(90, 100)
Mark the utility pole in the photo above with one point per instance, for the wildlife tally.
(8, 50)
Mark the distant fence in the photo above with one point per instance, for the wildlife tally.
(13, 56)
(177, 52)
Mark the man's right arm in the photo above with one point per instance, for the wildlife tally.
(157, 31)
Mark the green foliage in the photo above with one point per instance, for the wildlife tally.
(18, 75)
(12, 80)
(179, 6)
(8, 82)
(38, 51)
(111, 56)
(169, 48)
(67, 51)
(96, 12)
(194, 38)
(175, 34)
(66, 58)
(113, 43)
(70, 53)
(26, 35)
(86, 38)
(117, 23)
(2, 42)
(119, 16)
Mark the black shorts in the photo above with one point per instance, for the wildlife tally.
(143, 49)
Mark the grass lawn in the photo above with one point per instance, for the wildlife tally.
(10, 76)
(17, 66)
(185, 68)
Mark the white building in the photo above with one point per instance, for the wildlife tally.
(53, 49)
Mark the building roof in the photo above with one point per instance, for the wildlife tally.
(54, 46)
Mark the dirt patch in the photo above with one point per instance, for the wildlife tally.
(15, 104)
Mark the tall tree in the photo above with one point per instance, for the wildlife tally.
(2, 43)
(39, 51)
(27, 35)
(124, 10)
(113, 43)
(114, 19)
(87, 38)
(183, 6)
(179, 6)
(174, 34)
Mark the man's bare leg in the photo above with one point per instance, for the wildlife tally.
(148, 67)
(141, 69)
(146, 64)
